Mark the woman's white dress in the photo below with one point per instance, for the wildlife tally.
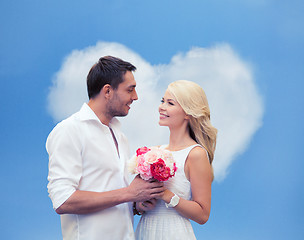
(164, 223)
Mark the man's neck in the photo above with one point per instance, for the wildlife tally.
(100, 112)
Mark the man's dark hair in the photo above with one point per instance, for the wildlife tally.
(108, 70)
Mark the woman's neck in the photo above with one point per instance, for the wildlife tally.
(180, 139)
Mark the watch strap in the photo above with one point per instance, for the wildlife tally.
(173, 202)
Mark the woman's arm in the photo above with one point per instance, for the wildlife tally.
(199, 173)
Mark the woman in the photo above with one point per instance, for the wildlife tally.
(184, 109)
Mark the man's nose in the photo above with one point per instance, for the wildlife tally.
(135, 96)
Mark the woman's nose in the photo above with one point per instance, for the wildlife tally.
(162, 106)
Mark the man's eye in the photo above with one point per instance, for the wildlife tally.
(162, 101)
(171, 103)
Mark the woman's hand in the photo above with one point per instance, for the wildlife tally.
(166, 197)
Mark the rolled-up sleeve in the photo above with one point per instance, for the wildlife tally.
(65, 163)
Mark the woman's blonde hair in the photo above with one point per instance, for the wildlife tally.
(193, 101)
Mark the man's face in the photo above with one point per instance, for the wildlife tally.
(123, 96)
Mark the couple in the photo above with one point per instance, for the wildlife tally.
(88, 182)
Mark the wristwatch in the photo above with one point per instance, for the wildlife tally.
(173, 202)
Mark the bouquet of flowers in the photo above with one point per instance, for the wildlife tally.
(153, 163)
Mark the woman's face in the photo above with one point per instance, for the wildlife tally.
(171, 113)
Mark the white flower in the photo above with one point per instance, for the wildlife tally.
(132, 164)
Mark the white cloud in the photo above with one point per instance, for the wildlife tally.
(236, 107)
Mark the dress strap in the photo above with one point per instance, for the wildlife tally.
(185, 152)
(188, 150)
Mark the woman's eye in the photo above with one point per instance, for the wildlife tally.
(171, 103)
(162, 101)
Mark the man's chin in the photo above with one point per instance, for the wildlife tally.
(122, 114)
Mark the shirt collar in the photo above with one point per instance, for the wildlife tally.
(86, 113)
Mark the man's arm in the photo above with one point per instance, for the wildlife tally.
(65, 172)
(84, 202)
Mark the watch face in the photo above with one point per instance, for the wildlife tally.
(175, 200)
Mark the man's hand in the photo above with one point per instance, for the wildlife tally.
(145, 190)
(146, 205)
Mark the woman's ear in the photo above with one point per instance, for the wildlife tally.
(187, 117)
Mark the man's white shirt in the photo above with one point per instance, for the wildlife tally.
(83, 156)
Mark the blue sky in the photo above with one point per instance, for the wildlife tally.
(261, 195)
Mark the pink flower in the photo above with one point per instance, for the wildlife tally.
(174, 169)
(160, 171)
(153, 163)
(142, 150)
(143, 168)
(151, 157)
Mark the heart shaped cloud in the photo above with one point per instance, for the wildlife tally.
(235, 104)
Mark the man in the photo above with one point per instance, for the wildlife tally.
(87, 155)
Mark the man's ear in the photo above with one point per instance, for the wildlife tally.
(107, 91)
